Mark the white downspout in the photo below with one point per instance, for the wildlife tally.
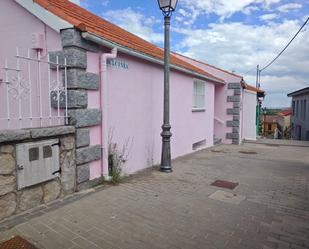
(104, 107)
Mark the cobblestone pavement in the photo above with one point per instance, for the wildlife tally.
(281, 142)
(156, 210)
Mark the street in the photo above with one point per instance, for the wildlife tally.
(269, 209)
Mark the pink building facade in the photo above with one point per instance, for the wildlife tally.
(235, 116)
(133, 100)
(90, 92)
(135, 111)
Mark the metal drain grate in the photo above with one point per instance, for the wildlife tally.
(225, 184)
(17, 243)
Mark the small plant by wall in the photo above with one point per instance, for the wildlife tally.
(117, 157)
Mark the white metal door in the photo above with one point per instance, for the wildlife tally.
(37, 162)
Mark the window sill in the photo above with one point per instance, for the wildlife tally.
(198, 110)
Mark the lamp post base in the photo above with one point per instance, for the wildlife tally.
(166, 169)
(166, 162)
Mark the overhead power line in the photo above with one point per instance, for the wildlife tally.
(270, 63)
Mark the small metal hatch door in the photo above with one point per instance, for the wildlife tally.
(37, 162)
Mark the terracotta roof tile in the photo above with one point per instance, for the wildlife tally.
(206, 64)
(87, 21)
(286, 112)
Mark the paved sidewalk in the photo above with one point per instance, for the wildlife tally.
(281, 142)
(156, 210)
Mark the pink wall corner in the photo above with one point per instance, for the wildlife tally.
(19, 25)
(221, 104)
(249, 116)
(136, 111)
(93, 64)
(95, 169)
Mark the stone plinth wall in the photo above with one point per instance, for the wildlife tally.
(234, 112)
(13, 201)
(83, 118)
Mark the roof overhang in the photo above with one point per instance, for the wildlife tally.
(58, 24)
(101, 41)
(299, 92)
(53, 21)
(260, 93)
(250, 91)
(208, 65)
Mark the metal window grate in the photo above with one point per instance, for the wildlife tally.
(199, 145)
(17, 243)
(225, 184)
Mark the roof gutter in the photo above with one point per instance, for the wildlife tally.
(91, 37)
(299, 92)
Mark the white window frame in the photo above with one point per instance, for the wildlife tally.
(198, 98)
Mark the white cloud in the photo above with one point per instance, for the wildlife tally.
(135, 23)
(104, 2)
(268, 17)
(248, 10)
(90, 3)
(224, 8)
(289, 6)
(240, 47)
(234, 46)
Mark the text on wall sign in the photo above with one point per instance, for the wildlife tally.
(117, 63)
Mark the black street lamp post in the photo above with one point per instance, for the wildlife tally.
(167, 7)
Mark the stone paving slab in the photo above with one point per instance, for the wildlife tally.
(280, 142)
(156, 210)
(227, 197)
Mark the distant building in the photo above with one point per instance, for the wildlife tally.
(270, 123)
(300, 114)
(284, 121)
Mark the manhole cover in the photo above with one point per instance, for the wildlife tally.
(225, 184)
(17, 243)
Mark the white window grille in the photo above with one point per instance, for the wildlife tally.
(33, 91)
(198, 95)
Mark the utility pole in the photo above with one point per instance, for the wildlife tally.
(258, 76)
(257, 100)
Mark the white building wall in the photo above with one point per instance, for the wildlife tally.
(249, 115)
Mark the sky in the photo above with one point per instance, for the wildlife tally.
(235, 35)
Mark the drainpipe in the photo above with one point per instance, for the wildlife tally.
(104, 107)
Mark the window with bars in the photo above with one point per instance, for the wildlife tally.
(198, 95)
